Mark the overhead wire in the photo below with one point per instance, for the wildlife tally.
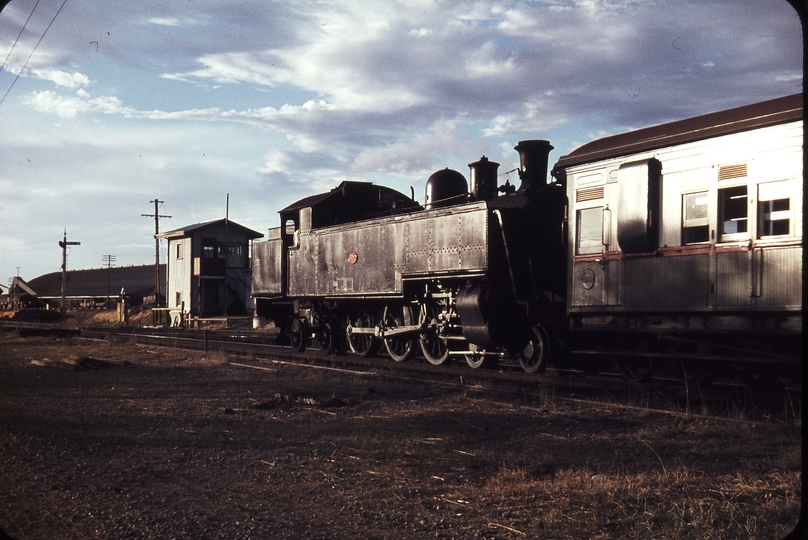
(100, 229)
(18, 35)
(32, 52)
(120, 217)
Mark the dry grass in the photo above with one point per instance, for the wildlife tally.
(213, 359)
(105, 317)
(678, 503)
(389, 459)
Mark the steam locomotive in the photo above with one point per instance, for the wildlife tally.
(677, 242)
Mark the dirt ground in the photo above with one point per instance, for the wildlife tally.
(172, 444)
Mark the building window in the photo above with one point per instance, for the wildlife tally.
(695, 218)
(235, 255)
(733, 210)
(774, 209)
(208, 248)
(590, 231)
(179, 250)
(232, 249)
(178, 299)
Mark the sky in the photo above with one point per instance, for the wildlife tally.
(109, 105)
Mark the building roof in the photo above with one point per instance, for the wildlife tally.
(137, 281)
(19, 287)
(232, 227)
(757, 115)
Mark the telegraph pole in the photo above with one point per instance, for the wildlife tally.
(156, 217)
(226, 248)
(109, 260)
(63, 244)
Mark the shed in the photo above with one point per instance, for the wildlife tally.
(209, 270)
(17, 295)
(92, 287)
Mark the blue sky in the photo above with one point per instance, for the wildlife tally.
(272, 101)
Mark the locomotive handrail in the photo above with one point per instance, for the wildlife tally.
(507, 251)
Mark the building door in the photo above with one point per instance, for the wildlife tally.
(210, 297)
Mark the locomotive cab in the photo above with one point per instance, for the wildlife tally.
(347, 203)
(350, 202)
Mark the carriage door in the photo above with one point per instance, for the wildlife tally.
(593, 276)
(733, 256)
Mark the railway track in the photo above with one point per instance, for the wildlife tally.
(666, 393)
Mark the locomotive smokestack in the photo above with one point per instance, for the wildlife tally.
(533, 163)
(483, 179)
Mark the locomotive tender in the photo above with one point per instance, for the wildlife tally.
(680, 240)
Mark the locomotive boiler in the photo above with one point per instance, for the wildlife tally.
(478, 271)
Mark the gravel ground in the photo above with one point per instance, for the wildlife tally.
(143, 443)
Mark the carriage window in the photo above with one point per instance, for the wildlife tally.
(590, 231)
(733, 209)
(774, 209)
(695, 225)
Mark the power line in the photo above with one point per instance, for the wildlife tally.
(18, 35)
(32, 52)
(98, 230)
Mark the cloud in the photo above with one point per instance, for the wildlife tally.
(69, 106)
(409, 65)
(490, 61)
(165, 21)
(241, 67)
(62, 78)
(384, 79)
(277, 100)
(177, 21)
(414, 155)
(276, 161)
